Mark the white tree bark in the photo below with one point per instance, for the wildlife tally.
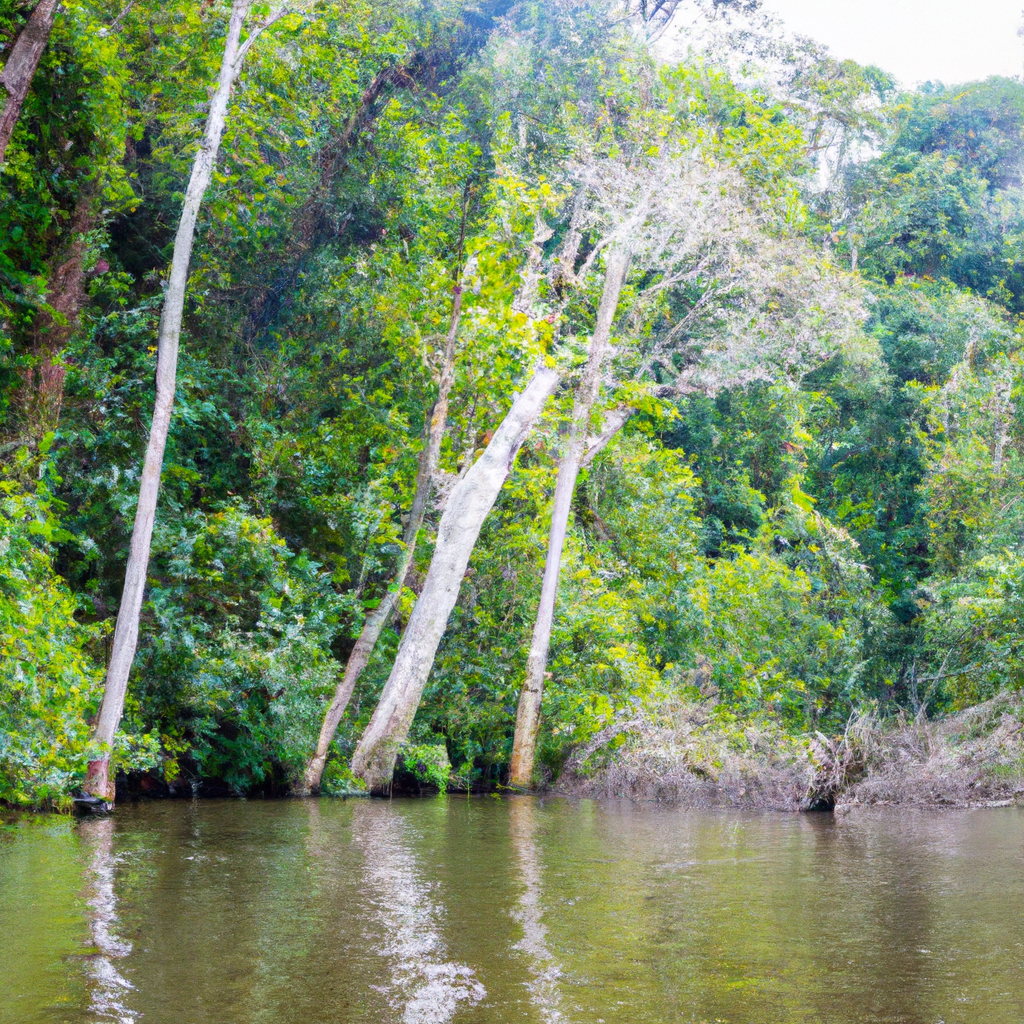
(614, 421)
(98, 782)
(16, 77)
(524, 746)
(377, 619)
(1002, 410)
(468, 505)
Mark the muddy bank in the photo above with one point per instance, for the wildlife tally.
(682, 754)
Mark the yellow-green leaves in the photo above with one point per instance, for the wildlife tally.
(50, 672)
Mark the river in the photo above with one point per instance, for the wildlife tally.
(505, 910)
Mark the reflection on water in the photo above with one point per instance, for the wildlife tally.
(423, 986)
(109, 987)
(529, 912)
(500, 911)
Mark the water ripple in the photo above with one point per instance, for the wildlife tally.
(545, 970)
(424, 986)
(109, 987)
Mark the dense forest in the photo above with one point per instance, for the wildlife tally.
(444, 388)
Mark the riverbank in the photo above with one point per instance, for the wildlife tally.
(685, 755)
(689, 755)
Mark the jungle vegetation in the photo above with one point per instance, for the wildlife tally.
(427, 386)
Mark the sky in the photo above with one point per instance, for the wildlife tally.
(916, 40)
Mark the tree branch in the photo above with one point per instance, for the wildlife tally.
(614, 421)
(116, 23)
(272, 18)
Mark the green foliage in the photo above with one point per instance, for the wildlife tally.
(237, 665)
(944, 198)
(338, 780)
(974, 628)
(973, 617)
(429, 764)
(63, 174)
(791, 550)
(49, 674)
(980, 123)
(788, 626)
(742, 445)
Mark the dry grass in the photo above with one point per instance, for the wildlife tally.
(974, 758)
(678, 754)
(681, 754)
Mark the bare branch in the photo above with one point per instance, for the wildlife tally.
(271, 19)
(116, 23)
(614, 421)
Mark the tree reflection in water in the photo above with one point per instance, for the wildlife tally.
(545, 970)
(108, 987)
(424, 986)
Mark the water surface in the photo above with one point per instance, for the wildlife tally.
(494, 910)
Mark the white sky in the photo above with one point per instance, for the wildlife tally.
(950, 41)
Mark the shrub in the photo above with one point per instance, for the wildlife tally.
(50, 681)
(235, 663)
(429, 764)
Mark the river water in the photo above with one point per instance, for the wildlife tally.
(507, 910)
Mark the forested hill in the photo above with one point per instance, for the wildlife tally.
(472, 290)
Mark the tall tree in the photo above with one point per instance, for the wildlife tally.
(469, 502)
(98, 782)
(707, 260)
(378, 617)
(16, 77)
(587, 392)
(468, 505)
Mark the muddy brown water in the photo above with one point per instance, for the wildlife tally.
(507, 910)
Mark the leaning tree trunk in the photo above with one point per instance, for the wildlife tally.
(470, 501)
(98, 782)
(21, 65)
(528, 715)
(377, 619)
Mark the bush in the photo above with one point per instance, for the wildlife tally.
(50, 680)
(429, 764)
(338, 780)
(788, 631)
(235, 664)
